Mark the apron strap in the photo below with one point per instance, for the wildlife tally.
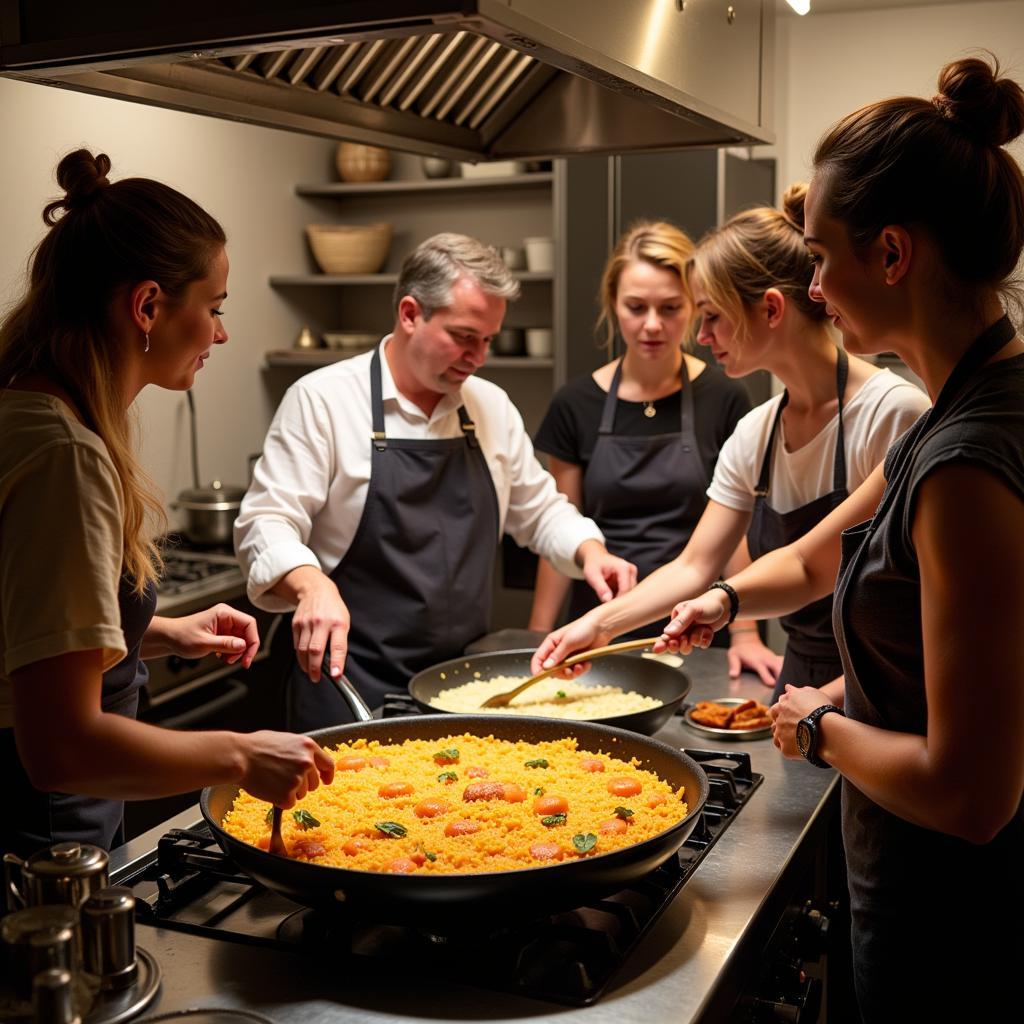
(378, 437)
(839, 460)
(608, 411)
(839, 463)
(468, 428)
(986, 345)
(761, 490)
(686, 414)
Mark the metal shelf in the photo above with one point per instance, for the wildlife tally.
(390, 188)
(319, 280)
(308, 358)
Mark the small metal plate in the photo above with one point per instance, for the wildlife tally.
(116, 1007)
(728, 734)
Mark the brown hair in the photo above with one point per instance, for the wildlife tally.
(654, 241)
(938, 163)
(756, 250)
(104, 237)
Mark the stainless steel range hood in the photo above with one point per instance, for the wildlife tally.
(472, 79)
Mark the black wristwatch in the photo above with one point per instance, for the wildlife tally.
(807, 734)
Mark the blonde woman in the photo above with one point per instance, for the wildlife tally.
(791, 460)
(125, 291)
(634, 444)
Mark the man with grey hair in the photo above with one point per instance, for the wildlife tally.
(387, 480)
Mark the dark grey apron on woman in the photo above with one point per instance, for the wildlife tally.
(646, 493)
(812, 657)
(934, 930)
(31, 819)
(417, 575)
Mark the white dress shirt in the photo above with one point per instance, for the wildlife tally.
(309, 486)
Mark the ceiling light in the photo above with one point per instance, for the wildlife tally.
(800, 6)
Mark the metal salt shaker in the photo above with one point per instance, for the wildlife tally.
(52, 1001)
(108, 937)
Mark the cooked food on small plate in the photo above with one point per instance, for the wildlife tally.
(467, 804)
(550, 698)
(730, 715)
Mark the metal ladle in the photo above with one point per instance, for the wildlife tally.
(501, 700)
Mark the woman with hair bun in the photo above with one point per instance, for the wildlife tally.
(124, 291)
(915, 223)
(633, 445)
(791, 460)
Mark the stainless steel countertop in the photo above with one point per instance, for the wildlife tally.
(687, 969)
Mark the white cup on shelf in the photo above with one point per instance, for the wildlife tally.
(539, 342)
(540, 254)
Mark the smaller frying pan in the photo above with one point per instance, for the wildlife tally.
(643, 675)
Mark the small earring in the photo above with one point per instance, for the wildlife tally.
(146, 348)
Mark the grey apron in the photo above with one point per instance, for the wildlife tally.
(33, 819)
(417, 575)
(812, 657)
(907, 935)
(645, 493)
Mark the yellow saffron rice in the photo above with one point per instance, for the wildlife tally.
(339, 824)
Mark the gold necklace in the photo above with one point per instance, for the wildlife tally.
(649, 410)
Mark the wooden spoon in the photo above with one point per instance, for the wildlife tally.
(276, 839)
(501, 700)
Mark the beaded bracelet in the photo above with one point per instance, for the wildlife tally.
(734, 598)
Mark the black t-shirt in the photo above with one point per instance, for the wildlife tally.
(569, 429)
(898, 870)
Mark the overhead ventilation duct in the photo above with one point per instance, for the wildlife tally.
(479, 79)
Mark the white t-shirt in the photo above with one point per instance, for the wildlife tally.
(60, 540)
(309, 487)
(882, 410)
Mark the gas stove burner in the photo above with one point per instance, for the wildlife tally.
(191, 576)
(569, 957)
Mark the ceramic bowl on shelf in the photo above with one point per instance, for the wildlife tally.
(509, 342)
(540, 253)
(349, 248)
(436, 167)
(350, 339)
(513, 257)
(539, 342)
(357, 162)
(494, 169)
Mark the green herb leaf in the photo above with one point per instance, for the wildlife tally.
(448, 777)
(449, 756)
(584, 843)
(270, 816)
(561, 693)
(624, 813)
(554, 819)
(540, 762)
(430, 856)
(305, 820)
(539, 791)
(391, 828)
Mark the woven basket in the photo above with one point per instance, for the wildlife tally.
(349, 248)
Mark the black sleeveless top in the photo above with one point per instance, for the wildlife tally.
(919, 895)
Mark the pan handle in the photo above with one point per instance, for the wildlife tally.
(349, 695)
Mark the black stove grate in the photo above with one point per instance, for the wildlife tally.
(568, 958)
